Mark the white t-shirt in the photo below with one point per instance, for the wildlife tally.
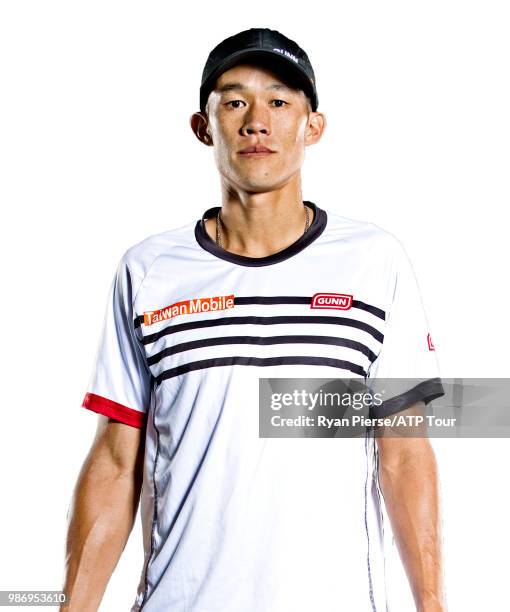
(233, 522)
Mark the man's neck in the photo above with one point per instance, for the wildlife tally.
(260, 224)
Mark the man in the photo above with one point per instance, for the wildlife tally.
(232, 521)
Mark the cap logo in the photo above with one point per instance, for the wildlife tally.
(287, 54)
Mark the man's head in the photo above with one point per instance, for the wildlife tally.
(258, 96)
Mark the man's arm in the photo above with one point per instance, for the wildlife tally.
(409, 482)
(102, 512)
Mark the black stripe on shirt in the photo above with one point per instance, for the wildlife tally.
(253, 320)
(260, 362)
(295, 299)
(263, 341)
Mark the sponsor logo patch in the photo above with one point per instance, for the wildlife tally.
(194, 306)
(429, 343)
(338, 301)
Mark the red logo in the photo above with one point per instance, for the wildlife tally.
(429, 342)
(208, 304)
(338, 301)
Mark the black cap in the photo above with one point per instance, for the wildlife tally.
(262, 46)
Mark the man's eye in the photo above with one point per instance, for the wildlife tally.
(235, 103)
(280, 105)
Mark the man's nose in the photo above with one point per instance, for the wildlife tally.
(257, 120)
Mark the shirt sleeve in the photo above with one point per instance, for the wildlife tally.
(120, 384)
(406, 366)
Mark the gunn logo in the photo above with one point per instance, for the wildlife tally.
(287, 54)
(338, 301)
(197, 305)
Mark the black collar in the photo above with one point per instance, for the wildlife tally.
(314, 231)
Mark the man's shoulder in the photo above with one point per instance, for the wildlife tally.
(365, 234)
(141, 256)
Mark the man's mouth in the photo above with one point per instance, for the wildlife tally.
(256, 151)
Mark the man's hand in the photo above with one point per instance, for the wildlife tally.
(102, 512)
(409, 482)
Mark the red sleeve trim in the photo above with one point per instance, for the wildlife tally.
(112, 409)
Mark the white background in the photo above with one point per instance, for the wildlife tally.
(97, 153)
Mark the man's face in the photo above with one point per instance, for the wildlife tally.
(251, 106)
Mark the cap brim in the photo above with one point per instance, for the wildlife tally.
(283, 66)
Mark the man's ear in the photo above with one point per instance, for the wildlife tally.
(315, 127)
(200, 125)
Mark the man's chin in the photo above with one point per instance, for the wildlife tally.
(260, 184)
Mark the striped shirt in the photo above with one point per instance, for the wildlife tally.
(232, 521)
